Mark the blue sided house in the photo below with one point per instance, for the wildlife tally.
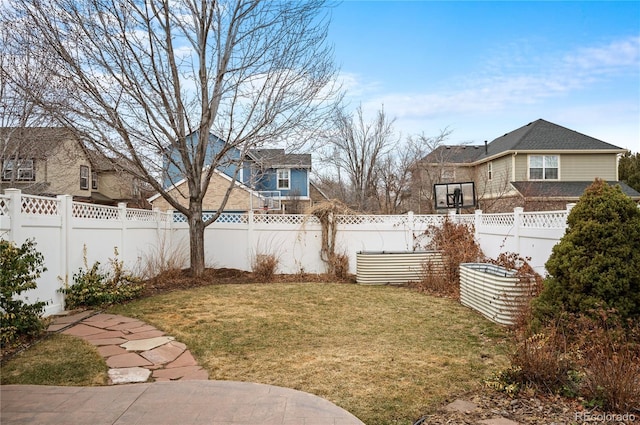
(265, 179)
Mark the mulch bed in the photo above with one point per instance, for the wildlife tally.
(525, 409)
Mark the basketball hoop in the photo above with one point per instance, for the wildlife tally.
(454, 195)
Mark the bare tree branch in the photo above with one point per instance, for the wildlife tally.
(146, 83)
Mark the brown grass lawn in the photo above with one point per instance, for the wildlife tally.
(388, 355)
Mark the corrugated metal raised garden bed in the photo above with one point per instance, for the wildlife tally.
(499, 294)
(394, 267)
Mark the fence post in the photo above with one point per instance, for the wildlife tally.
(15, 213)
(517, 223)
(66, 214)
(122, 213)
(477, 221)
(250, 229)
(411, 230)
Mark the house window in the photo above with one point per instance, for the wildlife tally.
(448, 175)
(18, 170)
(94, 180)
(284, 178)
(490, 170)
(84, 177)
(543, 167)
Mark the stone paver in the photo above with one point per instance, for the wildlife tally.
(190, 372)
(185, 359)
(146, 344)
(462, 406)
(137, 353)
(133, 350)
(164, 354)
(111, 350)
(129, 375)
(128, 360)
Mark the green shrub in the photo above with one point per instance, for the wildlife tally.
(595, 265)
(96, 287)
(19, 269)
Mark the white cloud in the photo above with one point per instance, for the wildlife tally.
(619, 55)
(494, 90)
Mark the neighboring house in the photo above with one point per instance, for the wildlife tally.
(50, 161)
(112, 181)
(263, 177)
(540, 166)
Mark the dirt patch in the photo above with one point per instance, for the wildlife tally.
(181, 279)
(525, 409)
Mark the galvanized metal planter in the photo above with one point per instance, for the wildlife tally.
(494, 291)
(394, 267)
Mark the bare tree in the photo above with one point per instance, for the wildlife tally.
(148, 82)
(394, 182)
(355, 148)
(18, 112)
(425, 174)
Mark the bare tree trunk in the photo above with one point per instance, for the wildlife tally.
(196, 238)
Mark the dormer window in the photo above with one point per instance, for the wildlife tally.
(543, 167)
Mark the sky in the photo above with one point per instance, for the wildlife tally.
(482, 69)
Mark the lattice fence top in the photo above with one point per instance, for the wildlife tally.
(467, 219)
(141, 215)
(97, 212)
(297, 219)
(223, 218)
(372, 219)
(39, 205)
(4, 205)
(429, 220)
(500, 219)
(545, 219)
(230, 218)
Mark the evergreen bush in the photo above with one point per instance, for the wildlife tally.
(19, 269)
(594, 267)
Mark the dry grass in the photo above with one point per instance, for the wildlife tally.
(388, 355)
(57, 360)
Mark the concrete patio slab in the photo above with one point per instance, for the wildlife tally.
(184, 402)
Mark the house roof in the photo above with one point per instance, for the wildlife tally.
(565, 190)
(454, 154)
(274, 158)
(539, 135)
(38, 142)
(544, 135)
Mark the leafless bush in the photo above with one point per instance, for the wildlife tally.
(434, 280)
(528, 279)
(264, 267)
(610, 363)
(457, 244)
(543, 361)
(163, 259)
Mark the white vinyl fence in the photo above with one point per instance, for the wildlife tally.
(64, 230)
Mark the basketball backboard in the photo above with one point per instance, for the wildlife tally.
(454, 195)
